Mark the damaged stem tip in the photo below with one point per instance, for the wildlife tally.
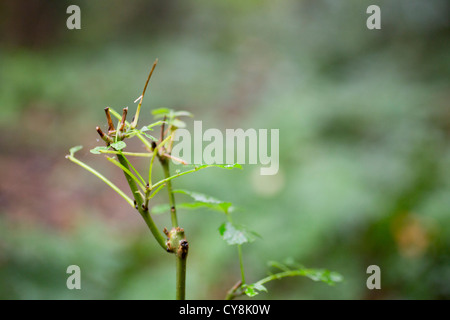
(100, 132)
(104, 137)
(124, 117)
(108, 118)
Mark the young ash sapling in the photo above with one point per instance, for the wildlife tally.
(143, 190)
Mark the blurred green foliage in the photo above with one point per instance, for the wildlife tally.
(364, 123)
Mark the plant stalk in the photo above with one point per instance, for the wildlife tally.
(139, 202)
(183, 246)
(241, 264)
(173, 210)
(181, 278)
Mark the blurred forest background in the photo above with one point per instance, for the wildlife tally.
(364, 123)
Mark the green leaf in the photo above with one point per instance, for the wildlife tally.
(199, 197)
(252, 290)
(236, 234)
(149, 136)
(163, 111)
(202, 201)
(182, 114)
(75, 149)
(224, 207)
(119, 145)
(323, 275)
(97, 150)
(178, 123)
(171, 115)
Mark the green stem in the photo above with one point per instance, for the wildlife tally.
(154, 230)
(139, 201)
(181, 278)
(181, 254)
(241, 263)
(126, 171)
(132, 154)
(183, 173)
(156, 191)
(137, 172)
(231, 294)
(172, 177)
(173, 210)
(103, 178)
(155, 153)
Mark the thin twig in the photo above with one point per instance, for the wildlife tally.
(102, 177)
(110, 123)
(136, 117)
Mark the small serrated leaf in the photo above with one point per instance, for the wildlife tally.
(119, 145)
(252, 290)
(235, 234)
(323, 275)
